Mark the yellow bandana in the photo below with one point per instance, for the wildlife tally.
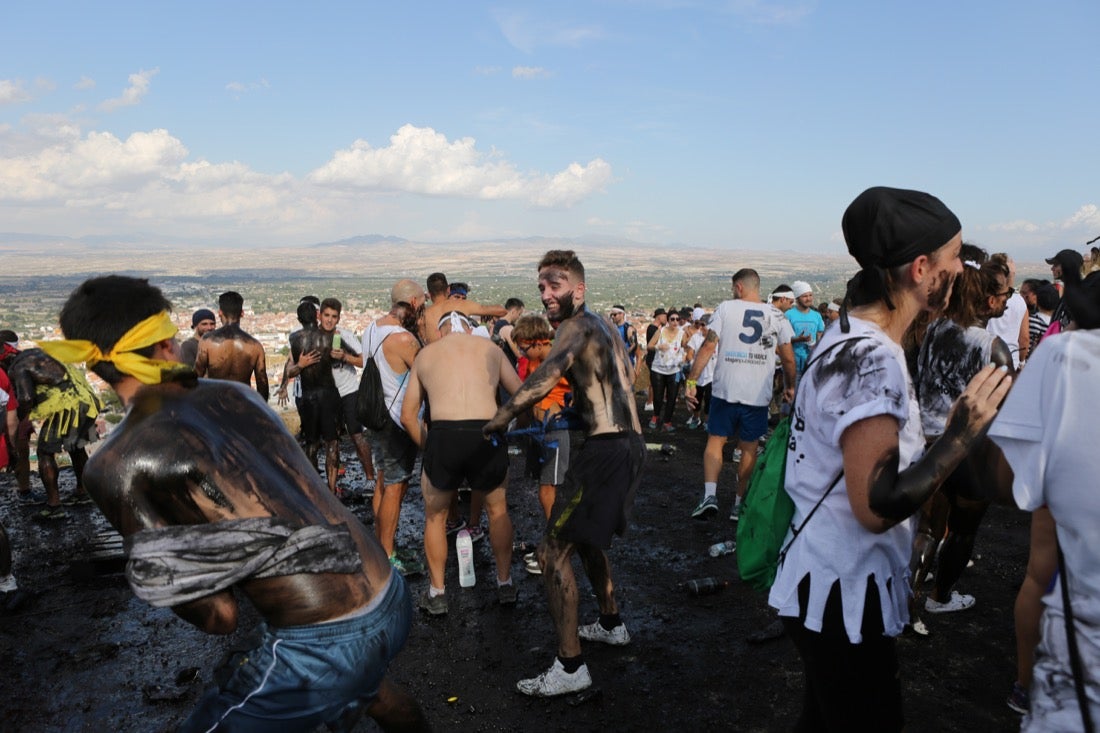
(148, 371)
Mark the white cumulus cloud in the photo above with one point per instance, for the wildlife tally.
(131, 95)
(1088, 216)
(421, 160)
(12, 92)
(530, 72)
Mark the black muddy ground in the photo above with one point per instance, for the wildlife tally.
(84, 655)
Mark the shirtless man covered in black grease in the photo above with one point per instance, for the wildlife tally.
(603, 475)
(212, 492)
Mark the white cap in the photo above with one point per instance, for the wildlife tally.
(697, 314)
(800, 288)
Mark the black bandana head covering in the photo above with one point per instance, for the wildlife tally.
(886, 227)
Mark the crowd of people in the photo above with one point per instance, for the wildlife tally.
(929, 391)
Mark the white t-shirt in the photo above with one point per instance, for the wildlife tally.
(1043, 429)
(748, 334)
(1007, 326)
(695, 343)
(345, 375)
(851, 382)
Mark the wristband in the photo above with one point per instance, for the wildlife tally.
(690, 383)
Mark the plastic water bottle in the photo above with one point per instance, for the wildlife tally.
(704, 586)
(722, 548)
(464, 548)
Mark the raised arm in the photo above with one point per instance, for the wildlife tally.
(567, 344)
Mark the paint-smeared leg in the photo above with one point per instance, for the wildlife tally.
(561, 593)
(598, 569)
(332, 461)
(397, 711)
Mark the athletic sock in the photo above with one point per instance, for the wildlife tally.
(571, 664)
(504, 582)
(710, 488)
(434, 592)
(609, 620)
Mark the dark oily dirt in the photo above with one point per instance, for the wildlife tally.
(85, 655)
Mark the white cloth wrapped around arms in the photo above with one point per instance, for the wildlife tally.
(169, 566)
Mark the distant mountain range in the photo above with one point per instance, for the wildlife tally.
(381, 255)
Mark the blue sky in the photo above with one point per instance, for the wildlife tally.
(724, 124)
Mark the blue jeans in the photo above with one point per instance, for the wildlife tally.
(302, 676)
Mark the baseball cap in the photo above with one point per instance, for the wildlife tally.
(1068, 259)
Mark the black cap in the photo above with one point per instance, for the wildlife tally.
(658, 312)
(1068, 259)
(202, 314)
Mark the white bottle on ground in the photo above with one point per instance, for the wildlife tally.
(464, 548)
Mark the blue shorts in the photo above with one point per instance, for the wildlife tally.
(735, 420)
(302, 676)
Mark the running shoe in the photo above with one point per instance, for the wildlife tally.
(693, 423)
(1019, 700)
(31, 498)
(653, 423)
(735, 511)
(957, 602)
(436, 606)
(669, 428)
(617, 636)
(51, 514)
(556, 681)
(531, 564)
(707, 507)
(649, 407)
(507, 594)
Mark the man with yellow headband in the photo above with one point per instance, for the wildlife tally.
(211, 492)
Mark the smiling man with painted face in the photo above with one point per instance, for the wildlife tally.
(598, 494)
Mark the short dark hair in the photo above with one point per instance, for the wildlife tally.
(333, 304)
(8, 336)
(307, 313)
(748, 276)
(103, 309)
(1046, 296)
(436, 284)
(231, 303)
(566, 259)
(512, 303)
(781, 288)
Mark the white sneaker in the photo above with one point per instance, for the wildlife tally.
(531, 564)
(617, 636)
(649, 407)
(957, 602)
(556, 681)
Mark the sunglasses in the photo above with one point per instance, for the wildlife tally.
(1008, 293)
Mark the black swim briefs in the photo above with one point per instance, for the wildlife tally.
(456, 451)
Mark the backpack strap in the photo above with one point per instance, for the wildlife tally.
(798, 530)
(1075, 664)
